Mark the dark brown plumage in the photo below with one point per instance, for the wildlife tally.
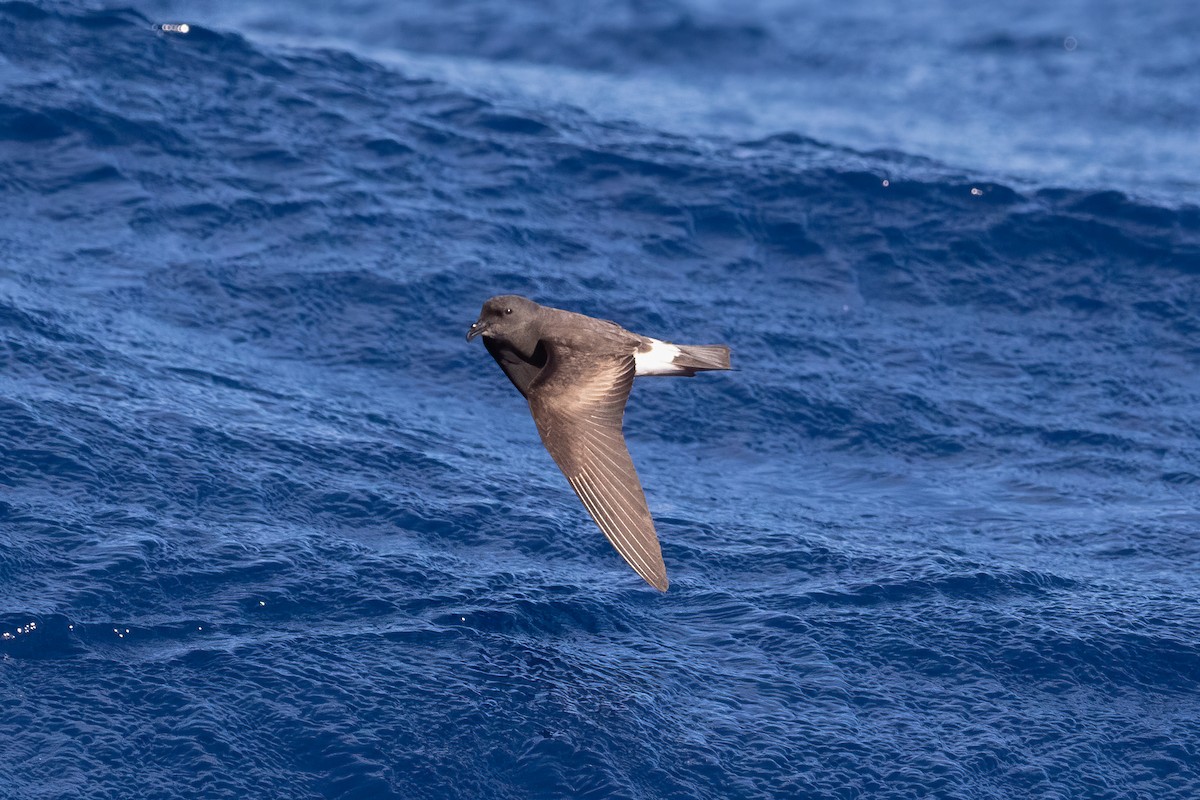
(576, 372)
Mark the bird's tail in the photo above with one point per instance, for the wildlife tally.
(663, 358)
(693, 358)
(699, 357)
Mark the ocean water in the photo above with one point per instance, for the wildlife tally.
(269, 527)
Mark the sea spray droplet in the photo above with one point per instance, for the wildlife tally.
(173, 27)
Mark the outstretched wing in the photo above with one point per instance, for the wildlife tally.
(578, 407)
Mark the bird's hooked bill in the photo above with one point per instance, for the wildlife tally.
(476, 328)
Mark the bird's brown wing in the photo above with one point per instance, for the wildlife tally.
(578, 405)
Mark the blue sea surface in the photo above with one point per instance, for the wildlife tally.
(270, 528)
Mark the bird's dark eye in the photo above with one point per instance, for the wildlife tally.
(508, 311)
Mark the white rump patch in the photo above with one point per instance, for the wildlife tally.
(658, 360)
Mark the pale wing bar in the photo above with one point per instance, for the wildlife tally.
(582, 431)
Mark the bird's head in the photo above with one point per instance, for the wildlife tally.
(503, 317)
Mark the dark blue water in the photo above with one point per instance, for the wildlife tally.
(270, 528)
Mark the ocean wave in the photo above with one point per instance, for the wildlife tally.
(269, 526)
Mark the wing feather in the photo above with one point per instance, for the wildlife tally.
(579, 409)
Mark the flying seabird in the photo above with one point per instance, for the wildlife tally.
(576, 372)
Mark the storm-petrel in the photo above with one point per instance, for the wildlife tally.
(576, 372)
